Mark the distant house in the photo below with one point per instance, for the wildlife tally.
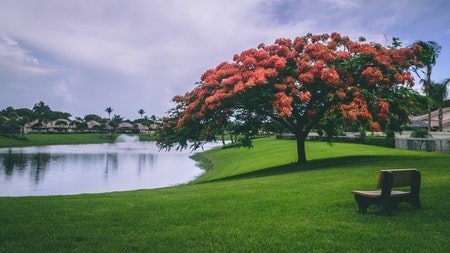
(92, 124)
(59, 125)
(435, 119)
(74, 124)
(126, 127)
(418, 124)
(65, 125)
(36, 127)
(143, 129)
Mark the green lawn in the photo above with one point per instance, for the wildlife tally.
(57, 139)
(250, 200)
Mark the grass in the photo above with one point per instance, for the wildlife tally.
(58, 139)
(253, 200)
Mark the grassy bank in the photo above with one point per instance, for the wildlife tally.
(58, 139)
(249, 201)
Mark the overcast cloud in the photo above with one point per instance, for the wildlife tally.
(83, 56)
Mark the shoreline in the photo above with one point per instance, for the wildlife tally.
(62, 139)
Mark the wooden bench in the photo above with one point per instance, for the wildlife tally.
(386, 198)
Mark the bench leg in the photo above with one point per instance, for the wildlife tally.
(386, 210)
(394, 204)
(385, 206)
(363, 204)
(415, 202)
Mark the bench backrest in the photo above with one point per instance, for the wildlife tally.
(403, 177)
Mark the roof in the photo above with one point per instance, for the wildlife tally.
(434, 115)
(418, 124)
(125, 125)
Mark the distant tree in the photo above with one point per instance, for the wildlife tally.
(109, 110)
(2, 123)
(428, 56)
(152, 120)
(115, 121)
(93, 117)
(62, 124)
(141, 112)
(22, 122)
(42, 112)
(54, 115)
(313, 82)
(13, 124)
(103, 127)
(272, 126)
(438, 93)
(41, 109)
(81, 125)
(147, 121)
(25, 112)
(8, 112)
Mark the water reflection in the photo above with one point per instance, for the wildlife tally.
(73, 169)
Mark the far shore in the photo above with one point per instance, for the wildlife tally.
(61, 139)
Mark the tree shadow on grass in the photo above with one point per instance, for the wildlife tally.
(326, 163)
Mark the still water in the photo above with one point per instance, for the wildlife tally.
(93, 168)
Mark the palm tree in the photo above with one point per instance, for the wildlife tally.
(141, 112)
(438, 93)
(109, 110)
(428, 56)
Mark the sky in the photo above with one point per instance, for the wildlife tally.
(84, 56)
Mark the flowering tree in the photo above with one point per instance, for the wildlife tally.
(312, 82)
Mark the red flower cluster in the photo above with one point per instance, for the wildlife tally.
(341, 94)
(283, 104)
(383, 109)
(303, 72)
(356, 110)
(404, 78)
(373, 76)
(304, 96)
(374, 126)
(330, 76)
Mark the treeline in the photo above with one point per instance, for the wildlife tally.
(41, 118)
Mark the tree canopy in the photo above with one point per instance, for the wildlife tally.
(312, 82)
(94, 117)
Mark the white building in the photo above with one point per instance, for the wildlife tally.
(435, 119)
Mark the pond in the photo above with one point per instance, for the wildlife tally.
(92, 168)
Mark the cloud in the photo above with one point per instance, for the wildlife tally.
(343, 4)
(62, 89)
(144, 36)
(13, 56)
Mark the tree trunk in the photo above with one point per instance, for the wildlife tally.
(440, 117)
(223, 138)
(429, 118)
(301, 152)
(427, 93)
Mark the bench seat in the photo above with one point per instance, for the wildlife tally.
(377, 193)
